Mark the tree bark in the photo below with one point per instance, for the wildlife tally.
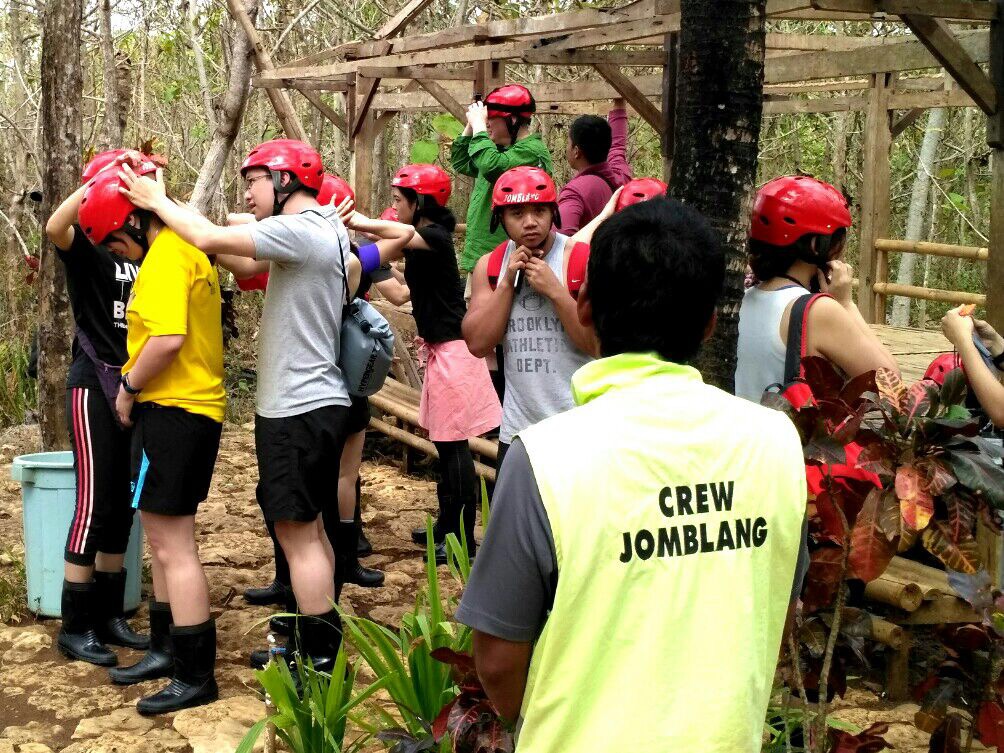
(62, 91)
(917, 215)
(113, 128)
(719, 110)
(231, 115)
(189, 10)
(840, 128)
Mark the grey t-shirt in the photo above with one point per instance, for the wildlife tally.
(515, 576)
(300, 323)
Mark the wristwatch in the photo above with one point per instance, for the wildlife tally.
(127, 387)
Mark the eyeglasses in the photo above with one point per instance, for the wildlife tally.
(250, 181)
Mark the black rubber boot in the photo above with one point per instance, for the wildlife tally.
(456, 518)
(418, 535)
(158, 661)
(77, 637)
(111, 625)
(318, 637)
(364, 548)
(193, 682)
(347, 567)
(282, 624)
(273, 593)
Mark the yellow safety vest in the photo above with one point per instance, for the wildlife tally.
(676, 511)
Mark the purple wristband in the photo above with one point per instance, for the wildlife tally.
(369, 256)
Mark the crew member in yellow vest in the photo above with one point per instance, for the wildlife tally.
(646, 546)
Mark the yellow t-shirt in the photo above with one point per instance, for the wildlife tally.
(177, 292)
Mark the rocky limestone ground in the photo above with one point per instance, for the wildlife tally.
(50, 704)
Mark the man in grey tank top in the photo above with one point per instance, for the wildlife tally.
(520, 300)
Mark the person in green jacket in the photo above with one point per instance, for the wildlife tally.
(497, 138)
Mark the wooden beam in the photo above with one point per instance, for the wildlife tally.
(361, 167)
(995, 123)
(884, 56)
(396, 23)
(959, 10)
(366, 89)
(429, 73)
(874, 197)
(943, 45)
(443, 97)
(906, 121)
(336, 118)
(640, 58)
(539, 26)
(323, 85)
(614, 33)
(819, 105)
(944, 98)
(280, 100)
(634, 96)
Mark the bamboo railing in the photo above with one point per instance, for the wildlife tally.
(882, 287)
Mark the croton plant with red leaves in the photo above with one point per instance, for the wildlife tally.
(893, 468)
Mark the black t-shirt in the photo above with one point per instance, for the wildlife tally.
(437, 294)
(99, 284)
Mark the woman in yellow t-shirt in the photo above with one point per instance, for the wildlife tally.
(172, 394)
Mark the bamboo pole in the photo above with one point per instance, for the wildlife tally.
(887, 633)
(933, 582)
(406, 413)
(424, 445)
(933, 249)
(906, 596)
(928, 294)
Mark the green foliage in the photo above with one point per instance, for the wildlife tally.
(13, 587)
(424, 152)
(418, 684)
(311, 709)
(18, 391)
(447, 126)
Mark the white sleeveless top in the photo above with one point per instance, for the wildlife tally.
(540, 358)
(761, 352)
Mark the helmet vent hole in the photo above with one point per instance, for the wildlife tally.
(304, 164)
(789, 220)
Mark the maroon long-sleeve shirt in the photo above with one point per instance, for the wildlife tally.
(585, 195)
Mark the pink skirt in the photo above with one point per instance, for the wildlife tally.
(458, 399)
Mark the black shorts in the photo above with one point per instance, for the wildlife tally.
(173, 456)
(103, 514)
(298, 459)
(359, 415)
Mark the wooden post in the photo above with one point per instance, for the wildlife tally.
(361, 171)
(672, 47)
(873, 264)
(898, 669)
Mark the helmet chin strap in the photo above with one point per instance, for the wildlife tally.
(280, 190)
(139, 234)
(820, 255)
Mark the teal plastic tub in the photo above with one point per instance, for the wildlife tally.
(48, 489)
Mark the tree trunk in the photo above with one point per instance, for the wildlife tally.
(840, 128)
(112, 132)
(918, 210)
(190, 10)
(62, 91)
(719, 108)
(231, 115)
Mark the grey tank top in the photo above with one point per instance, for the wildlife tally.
(539, 356)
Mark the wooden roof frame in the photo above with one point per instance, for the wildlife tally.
(439, 71)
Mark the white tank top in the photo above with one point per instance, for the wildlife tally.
(540, 358)
(761, 352)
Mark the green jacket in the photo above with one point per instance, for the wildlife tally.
(479, 157)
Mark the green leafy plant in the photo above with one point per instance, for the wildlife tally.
(919, 476)
(424, 152)
(312, 708)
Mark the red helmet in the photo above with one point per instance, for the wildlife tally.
(509, 101)
(793, 206)
(941, 366)
(334, 190)
(298, 158)
(425, 180)
(98, 161)
(523, 185)
(639, 190)
(104, 209)
(389, 214)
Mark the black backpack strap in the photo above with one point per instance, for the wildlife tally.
(797, 337)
